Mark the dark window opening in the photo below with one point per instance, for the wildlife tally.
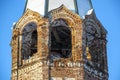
(60, 42)
(29, 41)
(34, 43)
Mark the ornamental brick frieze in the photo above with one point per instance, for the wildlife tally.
(63, 9)
(64, 72)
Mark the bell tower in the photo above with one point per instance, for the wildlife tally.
(59, 40)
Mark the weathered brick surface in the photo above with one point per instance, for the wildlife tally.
(87, 33)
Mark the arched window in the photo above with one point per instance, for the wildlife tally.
(60, 40)
(94, 43)
(29, 40)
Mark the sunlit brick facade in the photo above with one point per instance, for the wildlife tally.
(61, 45)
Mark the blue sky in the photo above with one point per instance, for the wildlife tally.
(107, 11)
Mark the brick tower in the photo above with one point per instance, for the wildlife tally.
(59, 40)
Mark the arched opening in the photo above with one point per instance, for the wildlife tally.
(94, 43)
(60, 40)
(29, 40)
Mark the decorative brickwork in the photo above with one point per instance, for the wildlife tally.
(87, 52)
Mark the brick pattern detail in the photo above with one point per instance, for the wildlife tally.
(77, 67)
